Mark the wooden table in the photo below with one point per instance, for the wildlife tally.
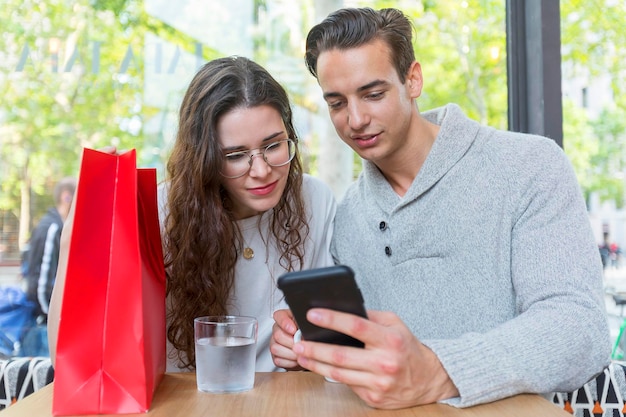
(290, 394)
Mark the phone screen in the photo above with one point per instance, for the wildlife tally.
(330, 287)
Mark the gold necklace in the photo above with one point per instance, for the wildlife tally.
(248, 253)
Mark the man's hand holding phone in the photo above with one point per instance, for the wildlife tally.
(393, 369)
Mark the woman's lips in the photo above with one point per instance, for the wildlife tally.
(264, 190)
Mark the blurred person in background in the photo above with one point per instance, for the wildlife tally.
(43, 253)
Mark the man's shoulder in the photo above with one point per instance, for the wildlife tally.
(501, 139)
(524, 148)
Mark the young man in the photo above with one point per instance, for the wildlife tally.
(473, 245)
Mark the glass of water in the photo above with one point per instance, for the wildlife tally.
(225, 353)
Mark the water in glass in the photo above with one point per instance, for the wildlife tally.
(225, 363)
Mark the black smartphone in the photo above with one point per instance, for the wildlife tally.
(331, 287)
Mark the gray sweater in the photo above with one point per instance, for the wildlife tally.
(489, 259)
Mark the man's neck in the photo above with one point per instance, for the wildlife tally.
(401, 170)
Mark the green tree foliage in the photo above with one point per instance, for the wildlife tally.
(462, 48)
(609, 159)
(69, 80)
(592, 36)
(581, 142)
(71, 76)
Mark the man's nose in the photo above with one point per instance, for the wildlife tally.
(357, 117)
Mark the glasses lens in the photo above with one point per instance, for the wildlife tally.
(236, 164)
(275, 154)
(280, 153)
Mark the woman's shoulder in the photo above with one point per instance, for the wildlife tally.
(314, 186)
(317, 196)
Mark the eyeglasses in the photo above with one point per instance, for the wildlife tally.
(277, 154)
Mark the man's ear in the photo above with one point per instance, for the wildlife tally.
(414, 79)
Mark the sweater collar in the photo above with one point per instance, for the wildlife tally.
(455, 137)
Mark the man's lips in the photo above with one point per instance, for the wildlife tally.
(365, 141)
(263, 190)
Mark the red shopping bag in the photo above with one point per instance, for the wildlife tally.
(111, 341)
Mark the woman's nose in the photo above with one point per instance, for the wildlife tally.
(260, 167)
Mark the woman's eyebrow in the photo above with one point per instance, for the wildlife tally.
(243, 148)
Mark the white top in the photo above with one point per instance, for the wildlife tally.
(255, 293)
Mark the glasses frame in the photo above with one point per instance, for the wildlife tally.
(261, 151)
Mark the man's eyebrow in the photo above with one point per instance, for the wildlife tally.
(368, 86)
(375, 83)
(331, 94)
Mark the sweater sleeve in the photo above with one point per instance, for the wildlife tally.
(560, 337)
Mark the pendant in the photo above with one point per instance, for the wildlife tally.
(248, 253)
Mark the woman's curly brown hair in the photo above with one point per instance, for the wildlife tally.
(201, 238)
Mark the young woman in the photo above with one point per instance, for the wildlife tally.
(236, 209)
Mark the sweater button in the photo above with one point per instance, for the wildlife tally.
(382, 226)
(387, 251)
